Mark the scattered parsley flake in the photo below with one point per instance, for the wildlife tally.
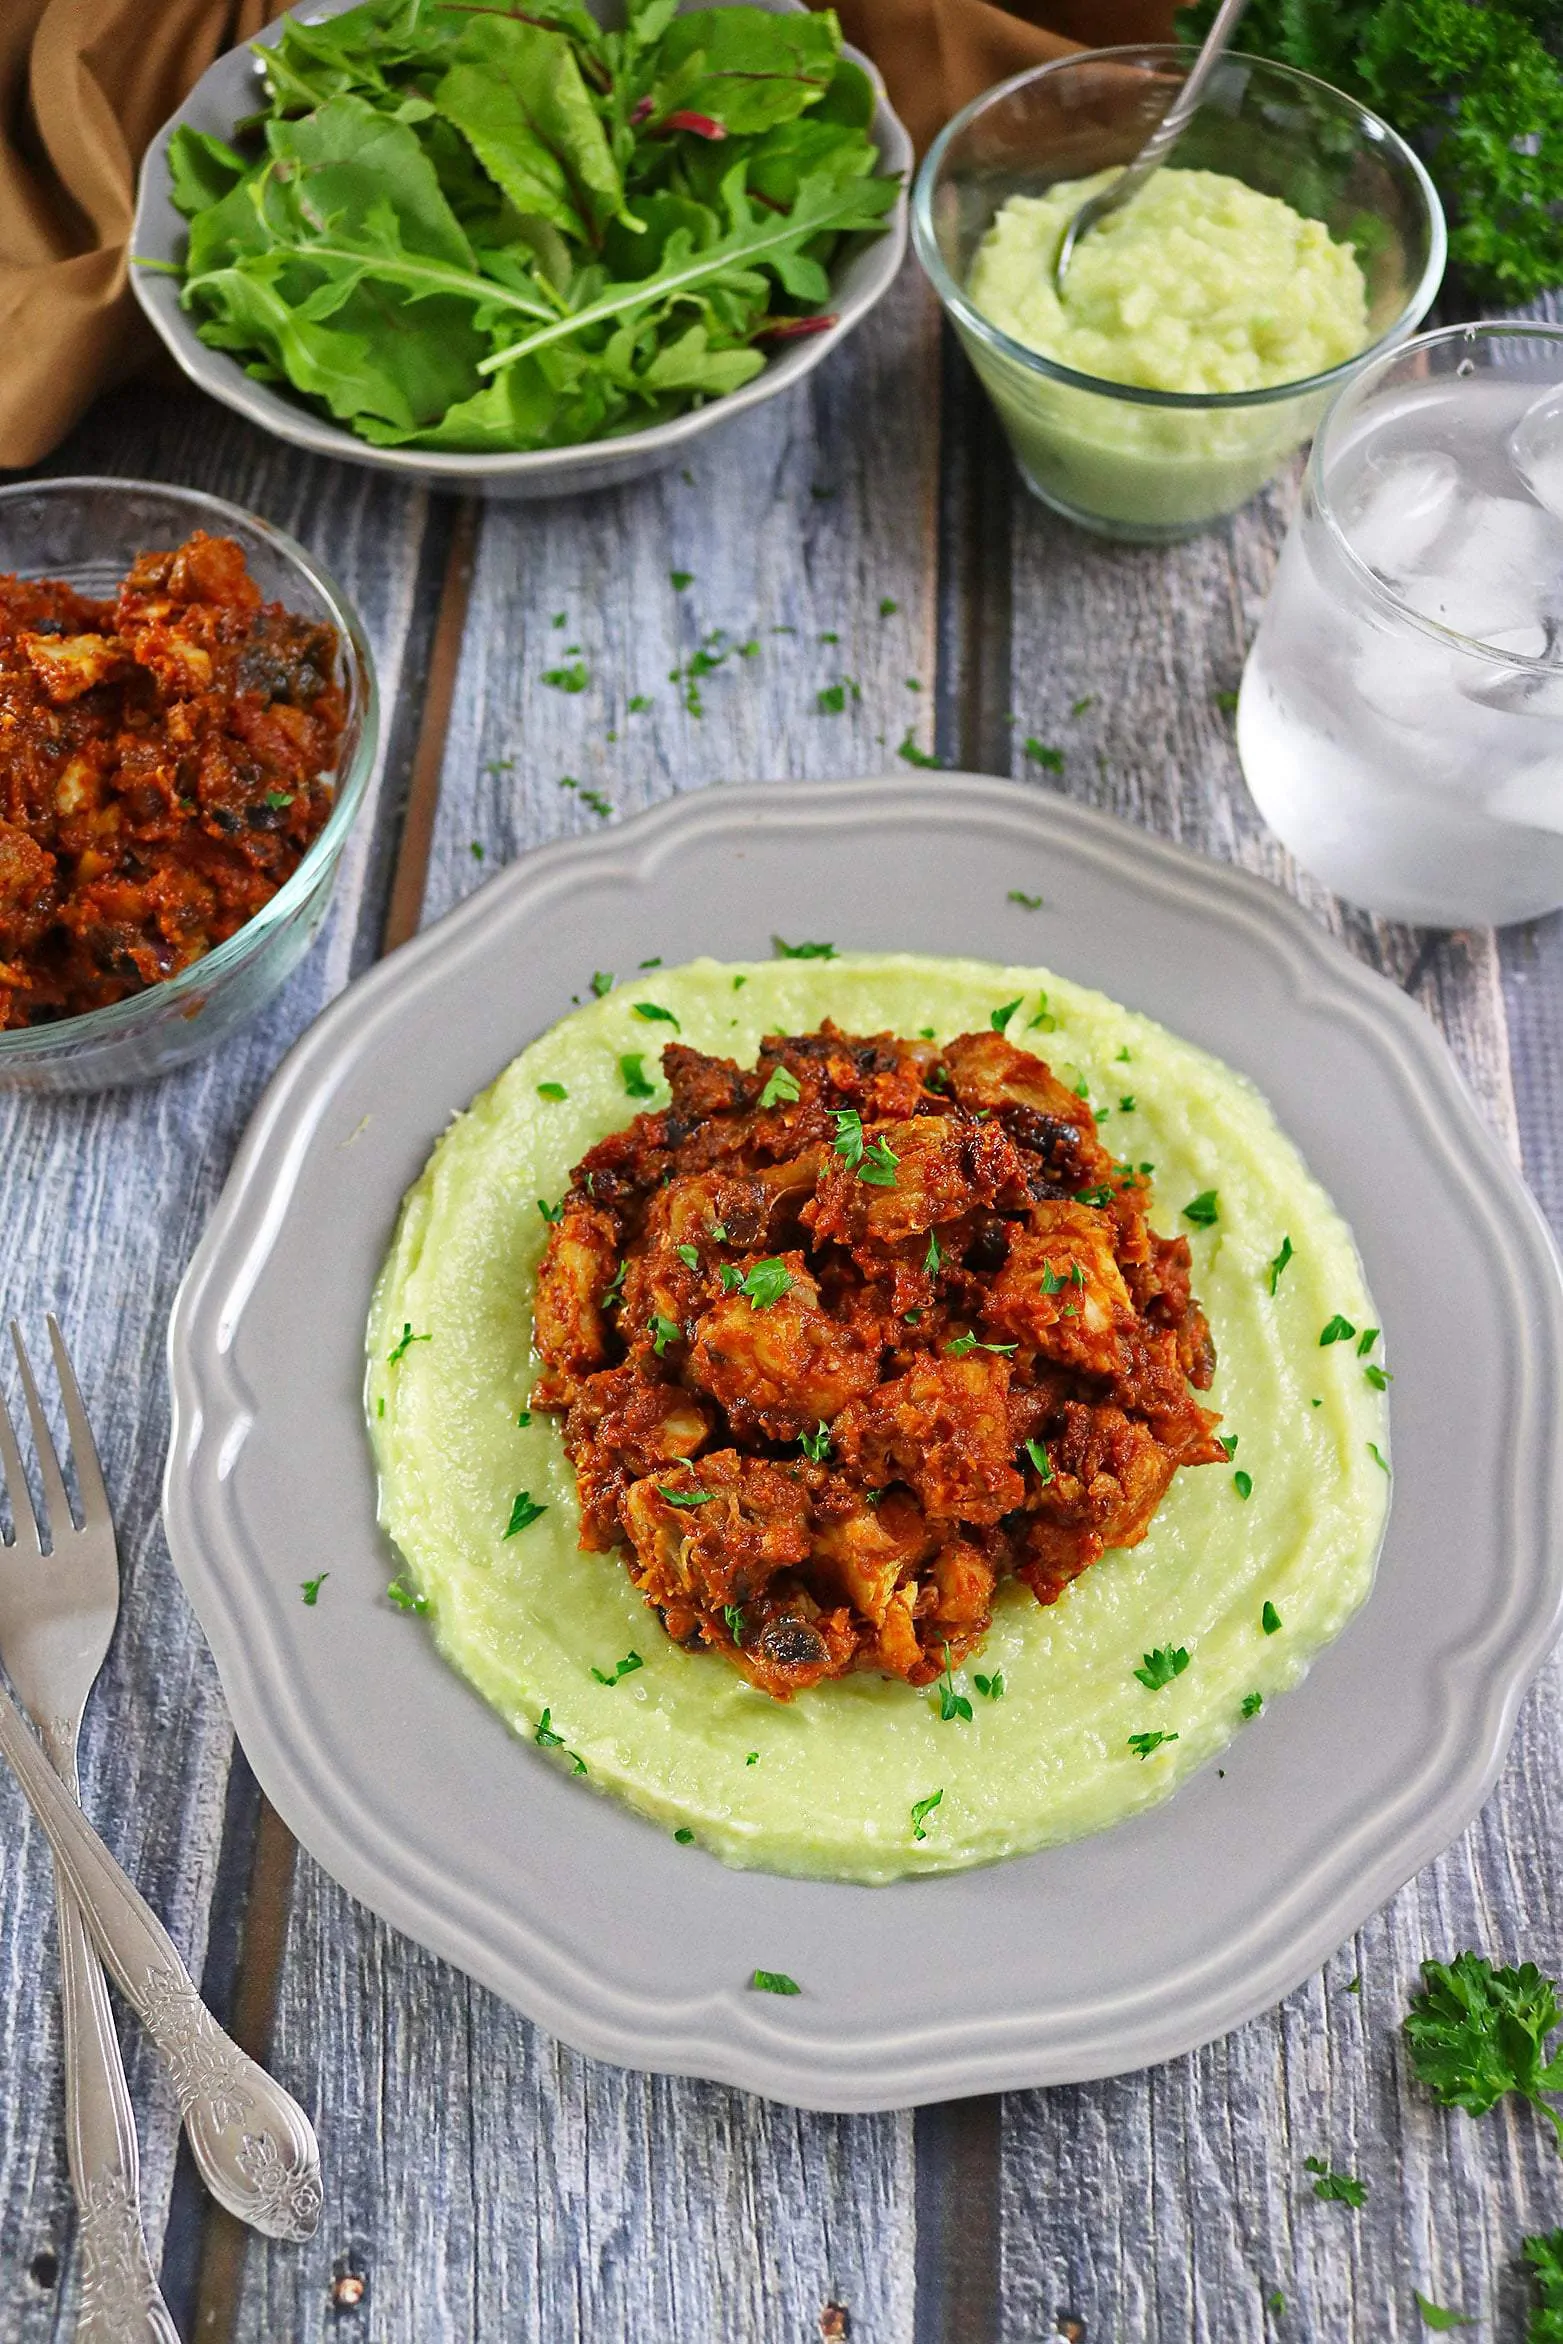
(405, 1341)
(1437, 2315)
(914, 755)
(1162, 1665)
(765, 1282)
(681, 580)
(969, 1342)
(476, 850)
(1341, 2188)
(999, 1018)
(1040, 1459)
(781, 1088)
(1252, 1704)
(524, 1418)
(632, 1066)
(1044, 1019)
(1269, 1618)
(1029, 903)
(816, 1444)
(276, 799)
(621, 1668)
(1126, 1104)
(1123, 1058)
(933, 1259)
(683, 1835)
(1228, 1441)
(312, 1587)
(1143, 1744)
(1273, 1274)
(662, 1331)
(602, 982)
(733, 1614)
(687, 1497)
(1085, 701)
(1369, 1337)
(407, 1598)
(774, 1982)
(785, 951)
(1227, 703)
(1041, 754)
(921, 1812)
(1338, 1330)
(1378, 1457)
(567, 679)
(655, 1015)
(888, 606)
(637, 705)
(688, 1255)
(1093, 1196)
(552, 1090)
(753, 1758)
(951, 1704)
(1203, 1210)
(991, 1688)
(525, 1510)
(1379, 1377)
(1243, 1483)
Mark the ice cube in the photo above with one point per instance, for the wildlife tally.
(1407, 682)
(1536, 449)
(1397, 509)
(1519, 691)
(1497, 570)
(1532, 797)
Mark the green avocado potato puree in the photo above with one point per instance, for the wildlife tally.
(826, 1785)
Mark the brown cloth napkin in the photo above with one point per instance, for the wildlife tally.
(85, 84)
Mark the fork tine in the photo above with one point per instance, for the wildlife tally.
(56, 1504)
(22, 1515)
(84, 1449)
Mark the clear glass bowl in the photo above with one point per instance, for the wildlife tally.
(89, 531)
(1153, 466)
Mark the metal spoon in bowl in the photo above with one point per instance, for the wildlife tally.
(1157, 147)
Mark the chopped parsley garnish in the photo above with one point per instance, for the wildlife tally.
(662, 1331)
(681, 579)
(1476, 2033)
(1227, 703)
(276, 799)
(1366, 1342)
(1227, 1441)
(547, 1739)
(637, 704)
(602, 982)
(1126, 1104)
(951, 1703)
(968, 1342)
(831, 699)
(551, 1212)
(407, 1598)
(683, 1835)
(406, 1340)
(733, 1614)
(1143, 1744)
(525, 1417)
(1202, 1210)
(816, 1444)
(1093, 1196)
(1162, 1665)
(888, 606)
(652, 961)
(656, 1015)
(1252, 1704)
(632, 1066)
(687, 1497)
(1085, 701)
(567, 679)
(752, 1759)
(1044, 1020)
(1040, 1459)
(621, 1668)
(613, 1292)
(999, 1018)
(525, 1510)
(1273, 1274)
(1029, 903)
(313, 1586)
(552, 1090)
(1052, 760)
(1437, 2315)
(908, 749)
(781, 1088)
(1339, 1330)
(991, 1688)
(1378, 1457)
(1341, 2188)
(785, 951)
(774, 1982)
(921, 1812)
(1269, 1618)
(933, 1259)
(873, 1160)
(688, 1256)
(1378, 1377)
(732, 1278)
(1243, 1483)
(765, 1282)
(1054, 1281)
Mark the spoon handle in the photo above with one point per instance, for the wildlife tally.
(254, 2146)
(1184, 106)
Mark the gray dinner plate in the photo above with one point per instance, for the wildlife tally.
(1079, 1961)
(231, 89)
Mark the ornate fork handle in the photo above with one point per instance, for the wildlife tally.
(121, 2302)
(253, 2143)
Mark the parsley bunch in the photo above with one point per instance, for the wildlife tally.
(1476, 88)
(1476, 2033)
(466, 228)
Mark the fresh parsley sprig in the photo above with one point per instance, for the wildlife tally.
(1476, 2033)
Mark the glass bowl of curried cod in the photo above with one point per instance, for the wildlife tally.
(84, 918)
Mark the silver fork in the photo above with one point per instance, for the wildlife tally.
(253, 2144)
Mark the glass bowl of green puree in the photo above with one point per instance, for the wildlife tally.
(1200, 340)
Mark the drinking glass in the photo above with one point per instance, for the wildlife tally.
(1401, 718)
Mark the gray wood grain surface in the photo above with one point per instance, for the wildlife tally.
(483, 2182)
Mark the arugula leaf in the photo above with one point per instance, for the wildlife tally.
(517, 97)
(1476, 2033)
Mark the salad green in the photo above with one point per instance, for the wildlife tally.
(470, 229)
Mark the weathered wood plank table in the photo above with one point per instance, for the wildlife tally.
(482, 2181)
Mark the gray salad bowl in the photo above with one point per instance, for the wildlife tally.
(231, 89)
